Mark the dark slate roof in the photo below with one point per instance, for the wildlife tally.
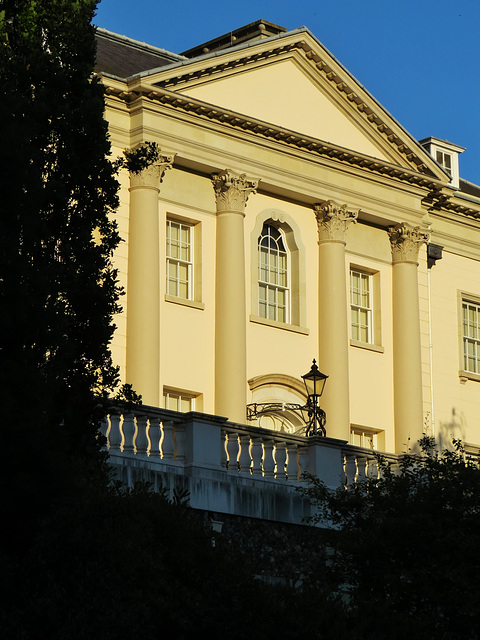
(123, 57)
(469, 188)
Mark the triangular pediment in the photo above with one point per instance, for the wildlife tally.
(283, 95)
(292, 81)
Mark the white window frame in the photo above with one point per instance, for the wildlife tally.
(470, 337)
(273, 287)
(367, 438)
(355, 308)
(178, 261)
(173, 395)
(440, 157)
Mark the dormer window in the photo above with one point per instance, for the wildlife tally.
(445, 160)
(446, 154)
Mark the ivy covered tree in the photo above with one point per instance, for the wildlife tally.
(406, 547)
(58, 288)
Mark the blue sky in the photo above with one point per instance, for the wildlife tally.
(419, 58)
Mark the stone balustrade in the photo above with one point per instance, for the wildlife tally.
(226, 467)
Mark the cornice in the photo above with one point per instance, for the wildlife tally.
(165, 97)
(344, 85)
(458, 207)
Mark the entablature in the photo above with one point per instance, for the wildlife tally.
(267, 131)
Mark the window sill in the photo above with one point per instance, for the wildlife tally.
(366, 345)
(193, 304)
(468, 375)
(280, 325)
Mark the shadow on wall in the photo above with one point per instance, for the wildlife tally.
(456, 428)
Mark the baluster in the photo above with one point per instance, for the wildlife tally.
(268, 461)
(257, 454)
(292, 463)
(395, 467)
(140, 441)
(244, 458)
(223, 449)
(232, 450)
(372, 470)
(154, 435)
(179, 437)
(167, 440)
(361, 469)
(350, 470)
(104, 427)
(128, 432)
(303, 460)
(115, 436)
(280, 453)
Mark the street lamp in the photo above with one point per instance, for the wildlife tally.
(316, 418)
(314, 382)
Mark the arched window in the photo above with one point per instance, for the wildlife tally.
(273, 275)
(278, 277)
(276, 387)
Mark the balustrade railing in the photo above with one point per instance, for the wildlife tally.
(161, 436)
(360, 464)
(263, 453)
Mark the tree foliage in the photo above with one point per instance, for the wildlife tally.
(117, 566)
(58, 288)
(407, 551)
(135, 160)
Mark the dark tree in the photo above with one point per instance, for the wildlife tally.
(407, 550)
(58, 288)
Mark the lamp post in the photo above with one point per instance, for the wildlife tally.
(316, 418)
(314, 382)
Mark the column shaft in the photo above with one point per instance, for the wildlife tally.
(230, 318)
(333, 338)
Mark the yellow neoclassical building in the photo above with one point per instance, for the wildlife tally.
(290, 217)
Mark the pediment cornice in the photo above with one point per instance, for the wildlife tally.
(314, 57)
(420, 176)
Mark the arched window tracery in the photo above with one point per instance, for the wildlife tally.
(273, 275)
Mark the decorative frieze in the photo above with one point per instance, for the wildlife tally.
(406, 240)
(151, 176)
(333, 220)
(232, 190)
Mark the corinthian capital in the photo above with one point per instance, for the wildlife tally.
(232, 190)
(152, 175)
(333, 220)
(406, 240)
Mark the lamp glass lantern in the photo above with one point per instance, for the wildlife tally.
(314, 381)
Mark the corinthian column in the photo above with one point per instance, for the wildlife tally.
(333, 221)
(143, 286)
(407, 361)
(231, 192)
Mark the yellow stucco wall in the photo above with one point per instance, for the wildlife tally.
(292, 180)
